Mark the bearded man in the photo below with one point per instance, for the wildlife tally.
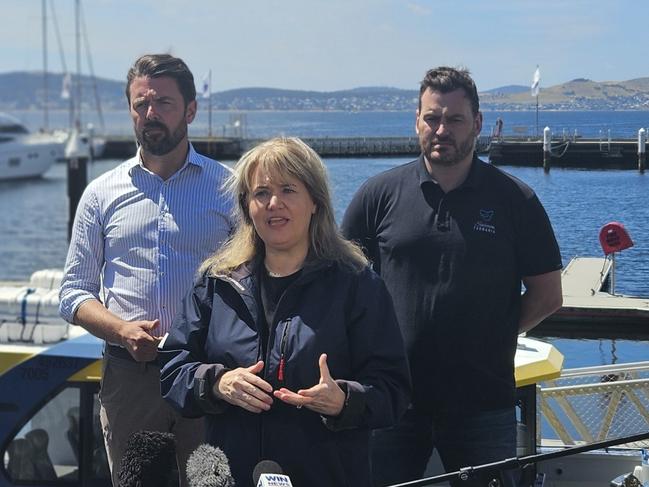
(140, 232)
(454, 237)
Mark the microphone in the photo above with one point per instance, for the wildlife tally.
(269, 474)
(208, 466)
(149, 460)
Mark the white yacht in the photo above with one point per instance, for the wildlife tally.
(24, 154)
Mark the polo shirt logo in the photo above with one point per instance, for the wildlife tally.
(485, 222)
(486, 215)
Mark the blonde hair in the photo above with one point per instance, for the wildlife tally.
(283, 156)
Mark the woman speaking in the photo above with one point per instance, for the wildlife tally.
(288, 342)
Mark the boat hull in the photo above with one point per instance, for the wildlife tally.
(29, 156)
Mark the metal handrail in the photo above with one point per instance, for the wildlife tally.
(619, 392)
(601, 369)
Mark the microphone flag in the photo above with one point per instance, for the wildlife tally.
(274, 480)
(268, 473)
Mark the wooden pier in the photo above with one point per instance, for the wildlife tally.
(590, 311)
(228, 148)
(123, 147)
(575, 153)
(508, 151)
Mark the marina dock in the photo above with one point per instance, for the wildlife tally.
(506, 151)
(574, 153)
(123, 147)
(590, 310)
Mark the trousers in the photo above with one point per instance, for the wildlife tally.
(130, 401)
(401, 453)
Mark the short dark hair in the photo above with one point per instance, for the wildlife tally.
(156, 65)
(444, 80)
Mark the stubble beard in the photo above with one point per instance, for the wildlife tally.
(160, 146)
(450, 158)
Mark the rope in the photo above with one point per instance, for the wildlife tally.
(565, 144)
(23, 305)
(23, 315)
(601, 274)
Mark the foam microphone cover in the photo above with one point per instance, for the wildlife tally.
(149, 460)
(208, 466)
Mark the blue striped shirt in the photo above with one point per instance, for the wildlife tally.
(143, 238)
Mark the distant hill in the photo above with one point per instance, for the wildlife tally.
(578, 94)
(24, 91)
(508, 90)
(357, 99)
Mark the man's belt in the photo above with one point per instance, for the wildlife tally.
(121, 353)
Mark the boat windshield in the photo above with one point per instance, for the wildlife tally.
(11, 125)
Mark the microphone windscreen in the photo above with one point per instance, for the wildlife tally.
(148, 459)
(208, 466)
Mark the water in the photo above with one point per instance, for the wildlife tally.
(33, 216)
(261, 124)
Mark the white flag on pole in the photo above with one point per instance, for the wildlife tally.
(206, 84)
(65, 87)
(536, 82)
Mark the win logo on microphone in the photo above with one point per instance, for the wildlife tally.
(268, 473)
(274, 480)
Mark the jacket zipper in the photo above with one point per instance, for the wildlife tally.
(282, 352)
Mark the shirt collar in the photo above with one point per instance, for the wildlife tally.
(473, 179)
(193, 157)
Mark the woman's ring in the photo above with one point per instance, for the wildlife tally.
(299, 406)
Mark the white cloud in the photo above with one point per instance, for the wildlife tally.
(418, 8)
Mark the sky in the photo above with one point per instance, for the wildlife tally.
(329, 45)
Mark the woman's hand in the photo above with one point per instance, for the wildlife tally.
(244, 388)
(324, 398)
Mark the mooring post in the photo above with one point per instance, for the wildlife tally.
(547, 138)
(77, 153)
(642, 143)
(608, 143)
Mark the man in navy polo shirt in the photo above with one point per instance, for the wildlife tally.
(454, 238)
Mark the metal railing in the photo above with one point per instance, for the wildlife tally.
(591, 404)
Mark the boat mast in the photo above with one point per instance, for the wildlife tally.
(66, 85)
(91, 69)
(46, 115)
(209, 105)
(77, 120)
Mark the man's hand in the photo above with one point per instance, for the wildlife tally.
(244, 388)
(136, 338)
(324, 398)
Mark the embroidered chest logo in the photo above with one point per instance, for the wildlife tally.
(485, 223)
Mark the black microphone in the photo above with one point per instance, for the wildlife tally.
(149, 460)
(208, 466)
(268, 473)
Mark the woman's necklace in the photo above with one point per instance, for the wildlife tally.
(278, 274)
(273, 274)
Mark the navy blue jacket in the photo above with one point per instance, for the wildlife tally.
(328, 309)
